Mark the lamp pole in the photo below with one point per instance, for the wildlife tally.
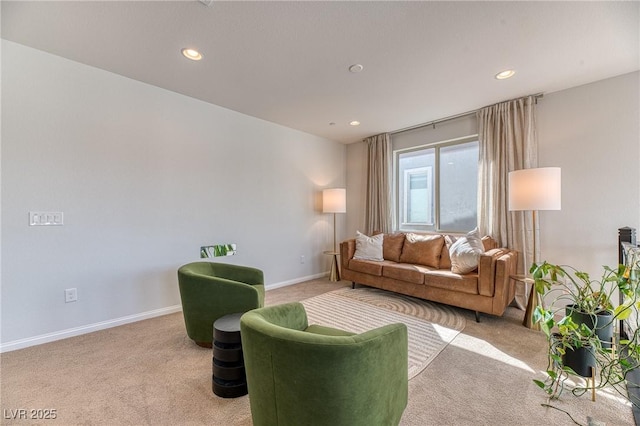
(334, 233)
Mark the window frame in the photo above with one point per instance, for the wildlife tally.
(397, 214)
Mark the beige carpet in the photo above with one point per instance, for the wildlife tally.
(366, 308)
(149, 373)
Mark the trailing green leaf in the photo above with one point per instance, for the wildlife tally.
(540, 384)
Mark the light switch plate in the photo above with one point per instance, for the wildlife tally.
(46, 219)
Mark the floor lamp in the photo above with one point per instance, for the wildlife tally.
(334, 201)
(534, 190)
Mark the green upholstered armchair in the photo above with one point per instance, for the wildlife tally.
(211, 290)
(314, 375)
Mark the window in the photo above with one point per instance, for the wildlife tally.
(419, 188)
(436, 187)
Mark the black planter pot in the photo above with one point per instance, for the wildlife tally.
(581, 360)
(603, 323)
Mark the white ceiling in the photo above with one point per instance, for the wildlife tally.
(287, 62)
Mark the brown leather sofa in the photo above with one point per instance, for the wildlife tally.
(426, 273)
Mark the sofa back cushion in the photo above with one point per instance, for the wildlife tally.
(392, 246)
(445, 260)
(422, 249)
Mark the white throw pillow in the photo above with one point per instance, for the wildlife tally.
(465, 253)
(368, 248)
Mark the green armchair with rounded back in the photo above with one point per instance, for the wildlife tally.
(210, 290)
(314, 375)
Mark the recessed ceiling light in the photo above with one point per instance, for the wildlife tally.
(356, 68)
(355, 123)
(505, 74)
(192, 54)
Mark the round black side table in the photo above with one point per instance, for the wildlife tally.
(229, 380)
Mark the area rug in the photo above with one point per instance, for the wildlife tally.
(431, 327)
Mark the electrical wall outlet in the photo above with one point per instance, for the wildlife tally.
(301, 258)
(70, 295)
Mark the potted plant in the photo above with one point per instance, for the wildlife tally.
(579, 323)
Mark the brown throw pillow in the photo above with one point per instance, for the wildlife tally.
(392, 246)
(445, 260)
(422, 249)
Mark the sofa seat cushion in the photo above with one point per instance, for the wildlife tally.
(405, 272)
(370, 267)
(443, 278)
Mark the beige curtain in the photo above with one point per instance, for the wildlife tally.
(378, 196)
(508, 141)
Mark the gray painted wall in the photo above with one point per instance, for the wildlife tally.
(593, 133)
(144, 177)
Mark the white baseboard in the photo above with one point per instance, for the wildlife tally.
(76, 331)
(295, 281)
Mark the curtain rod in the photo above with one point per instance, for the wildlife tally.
(453, 117)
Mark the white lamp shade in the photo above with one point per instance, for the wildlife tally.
(535, 189)
(334, 200)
